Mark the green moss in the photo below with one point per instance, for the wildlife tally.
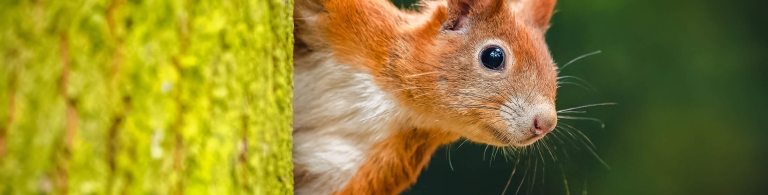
(169, 97)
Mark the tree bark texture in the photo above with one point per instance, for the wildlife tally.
(145, 96)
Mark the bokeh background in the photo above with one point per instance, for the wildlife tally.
(691, 83)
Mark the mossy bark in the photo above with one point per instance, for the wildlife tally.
(145, 97)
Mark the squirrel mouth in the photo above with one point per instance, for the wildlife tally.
(528, 141)
(503, 137)
(499, 136)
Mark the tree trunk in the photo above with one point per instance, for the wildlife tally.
(145, 97)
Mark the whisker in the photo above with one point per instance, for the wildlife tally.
(602, 125)
(574, 112)
(479, 107)
(590, 148)
(582, 134)
(564, 78)
(587, 106)
(559, 84)
(533, 180)
(421, 74)
(565, 181)
(476, 106)
(569, 140)
(568, 77)
(558, 138)
(504, 154)
(462, 143)
(530, 92)
(435, 135)
(493, 155)
(584, 192)
(549, 150)
(538, 149)
(508, 97)
(510, 177)
(449, 157)
(410, 88)
(515, 91)
(578, 58)
(524, 176)
(489, 100)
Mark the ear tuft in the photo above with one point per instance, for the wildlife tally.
(460, 11)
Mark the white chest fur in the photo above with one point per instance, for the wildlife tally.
(339, 113)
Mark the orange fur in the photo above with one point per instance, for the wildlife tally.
(395, 163)
(431, 70)
(360, 40)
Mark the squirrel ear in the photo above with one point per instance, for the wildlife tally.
(459, 11)
(540, 12)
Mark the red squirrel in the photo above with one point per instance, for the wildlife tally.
(377, 89)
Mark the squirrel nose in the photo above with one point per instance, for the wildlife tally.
(543, 124)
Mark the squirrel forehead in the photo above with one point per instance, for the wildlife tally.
(517, 40)
(507, 27)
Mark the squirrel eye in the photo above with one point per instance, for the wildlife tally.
(493, 58)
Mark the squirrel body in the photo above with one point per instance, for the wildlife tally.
(377, 89)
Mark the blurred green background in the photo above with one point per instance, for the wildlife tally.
(691, 84)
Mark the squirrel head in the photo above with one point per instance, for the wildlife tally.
(481, 69)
